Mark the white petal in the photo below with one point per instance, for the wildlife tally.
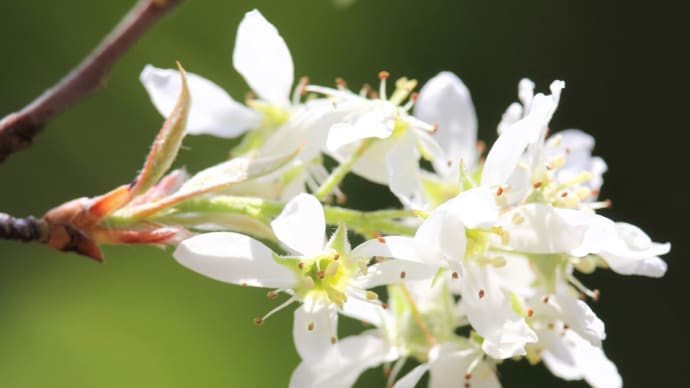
(212, 111)
(234, 258)
(373, 164)
(450, 364)
(369, 124)
(411, 379)
(546, 229)
(632, 252)
(576, 313)
(301, 225)
(364, 311)
(569, 356)
(443, 231)
(475, 207)
(446, 100)
(323, 320)
(263, 59)
(506, 151)
(403, 173)
(342, 364)
(489, 310)
(389, 272)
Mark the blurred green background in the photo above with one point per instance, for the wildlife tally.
(141, 320)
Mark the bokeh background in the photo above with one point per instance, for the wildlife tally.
(141, 320)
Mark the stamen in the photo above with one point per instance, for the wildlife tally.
(382, 86)
(320, 274)
(371, 295)
(272, 294)
(530, 312)
(334, 340)
(332, 268)
(499, 191)
(594, 294)
(481, 293)
(258, 321)
(300, 90)
(365, 91)
(536, 185)
(545, 299)
(455, 275)
(275, 310)
(397, 367)
(402, 274)
(310, 326)
(340, 83)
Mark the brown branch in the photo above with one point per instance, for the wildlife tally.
(22, 229)
(18, 129)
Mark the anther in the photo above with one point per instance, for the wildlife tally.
(341, 199)
(384, 306)
(383, 74)
(258, 321)
(300, 265)
(341, 83)
(564, 194)
(565, 326)
(536, 185)
(320, 274)
(517, 218)
(499, 191)
(530, 312)
(454, 275)
(595, 295)
(467, 385)
(371, 295)
(414, 96)
(243, 284)
(550, 325)
(434, 128)
(468, 376)
(381, 239)
(310, 326)
(333, 340)
(545, 299)
(402, 275)
(481, 293)
(272, 294)
(336, 256)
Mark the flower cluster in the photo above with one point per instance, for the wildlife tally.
(478, 265)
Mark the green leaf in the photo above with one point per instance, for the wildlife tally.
(164, 149)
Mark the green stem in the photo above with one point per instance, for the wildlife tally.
(339, 173)
(366, 223)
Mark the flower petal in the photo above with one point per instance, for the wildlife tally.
(301, 225)
(546, 229)
(212, 112)
(314, 326)
(369, 124)
(506, 151)
(391, 272)
(632, 252)
(343, 363)
(445, 100)
(450, 365)
(234, 258)
(490, 312)
(403, 173)
(411, 379)
(263, 58)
